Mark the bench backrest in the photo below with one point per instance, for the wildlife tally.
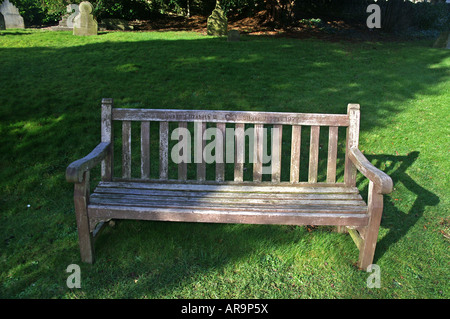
(233, 141)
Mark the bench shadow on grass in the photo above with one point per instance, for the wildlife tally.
(397, 221)
(186, 254)
(183, 74)
(199, 250)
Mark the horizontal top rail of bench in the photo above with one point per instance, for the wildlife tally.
(171, 115)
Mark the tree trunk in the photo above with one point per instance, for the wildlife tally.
(280, 12)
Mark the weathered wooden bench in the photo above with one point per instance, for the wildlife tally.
(257, 201)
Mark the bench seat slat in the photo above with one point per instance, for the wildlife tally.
(225, 216)
(175, 193)
(242, 187)
(326, 205)
(181, 200)
(343, 210)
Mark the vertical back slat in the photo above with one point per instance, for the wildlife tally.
(352, 141)
(239, 137)
(126, 149)
(199, 146)
(220, 152)
(295, 153)
(313, 154)
(332, 154)
(145, 149)
(258, 152)
(107, 136)
(163, 149)
(277, 136)
(182, 165)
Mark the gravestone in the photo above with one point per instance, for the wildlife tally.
(233, 36)
(217, 23)
(443, 41)
(84, 23)
(2, 22)
(66, 22)
(13, 20)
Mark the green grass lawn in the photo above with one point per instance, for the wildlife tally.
(51, 85)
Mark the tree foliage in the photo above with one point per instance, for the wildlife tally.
(396, 14)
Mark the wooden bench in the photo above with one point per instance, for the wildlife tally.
(257, 201)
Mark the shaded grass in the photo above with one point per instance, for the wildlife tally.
(51, 85)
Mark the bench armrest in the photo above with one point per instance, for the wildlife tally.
(378, 177)
(75, 171)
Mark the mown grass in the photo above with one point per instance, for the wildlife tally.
(51, 85)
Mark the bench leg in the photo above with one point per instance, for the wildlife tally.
(375, 210)
(81, 198)
(341, 229)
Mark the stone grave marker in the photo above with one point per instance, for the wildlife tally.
(217, 23)
(84, 23)
(233, 36)
(11, 16)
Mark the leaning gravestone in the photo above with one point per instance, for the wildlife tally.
(443, 41)
(84, 23)
(13, 20)
(2, 22)
(217, 23)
